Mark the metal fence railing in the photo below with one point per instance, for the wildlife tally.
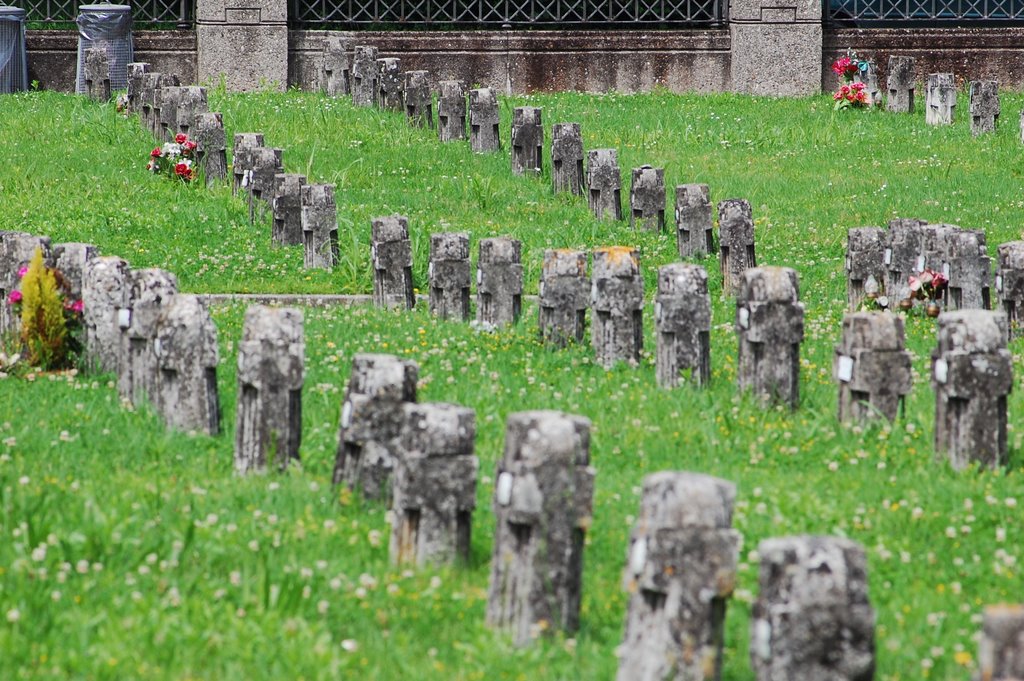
(922, 12)
(145, 14)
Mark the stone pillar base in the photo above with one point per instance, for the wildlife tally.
(243, 42)
(776, 59)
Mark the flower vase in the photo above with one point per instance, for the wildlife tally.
(932, 309)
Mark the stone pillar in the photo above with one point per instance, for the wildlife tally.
(335, 71)
(243, 42)
(900, 83)
(419, 101)
(186, 359)
(680, 572)
(770, 326)
(149, 292)
(451, 111)
(391, 253)
(940, 99)
(735, 243)
(647, 198)
(872, 366)
(211, 147)
(72, 260)
(165, 102)
(16, 251)
(1010, 284)
(902, 255)
(694, 235)
(97, 73)
(865, 266)
(542, 502)
(241, 158)
(564, 297)
(682, 317)
(567, 158)
(786, 36)
(984, 106)
(972, 374)
(136, 70)
(527, 140)
(969, 270)
(371, 422)
(319, 218)
(499, 282)
(191, 103)
(364, 75)
(1001, 648)
(271, 369)
(483, 121)
(266, 164)
(617, 298)
(604, 182)
(389, 84)
(434, 485)
(286, 203)
(104, 292)
(450, 275)
(812, 618)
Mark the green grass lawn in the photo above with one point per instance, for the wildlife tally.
(132, 552)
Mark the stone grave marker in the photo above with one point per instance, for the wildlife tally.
(901, 83)
(372, 416)
(450, 275)
(617, 299)
(16, 251)
(969, 270)
(419, 101)
(364, 75)
(871, 366)
(869, 76)
(1010, 284)
(71, 260)
(972, 373)
(186, 359)
(335, 73)
(191, 103)
(812, 618)
(1001, 648)
(902, 255)
(149, 292)
(865, 265)
(682, 317)
(770, 327)
(391, 254)
(105, 291)
(527, 140)
(567, 158)
(940, 99)
(736, 243)
(647, 198)
(165, 104)
(680, 572)
(604, 182)
(984, 106)
(152, 83)
(97, 73)
(389, 84)
(451, 110)
(499, 282)
(211, 147)
(319, 219)
(483, 121)
(286, 205)
(434, 485)
(564, 297)
(694, 235)
(136, 70)
(543, 504)
(241, 158)
(266, 164)
(935, 245)
(271, 370)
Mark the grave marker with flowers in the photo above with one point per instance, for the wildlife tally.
(174, 159)
(852, 93)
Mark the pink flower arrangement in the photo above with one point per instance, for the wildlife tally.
(847, 67)
(851, 95)
(14, 297)
(927, 285)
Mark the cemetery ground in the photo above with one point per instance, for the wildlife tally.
(130, 551)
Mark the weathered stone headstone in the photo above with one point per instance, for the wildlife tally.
(872, 366)
(434, 485)
(287, 208)
(191, 103)
(869, 76)
(680, 572)
(450, 275)
(647, 198)
(152, 83)
(136, 70)
(604, 183)
(972, 374)
(271, 370)
(564, 297)
(812, 619)
(770, 327)
(901, 82)
(105, 290)
(1001, 648)
(16, 251)
(364, 75)
(71, 260)
(391, 256)
(97, 73)
(969, 270)
(211, 147)
(149, 292)
(185, 350)
(165, 104)
(335, 73)
(902, 255)
(389, 84)
(567, 158)
(735, 243)
(865, 266)
(1010, 284)
(694, 235)
(935, 246)
(319, 219)
(682, 317)
(617, 299)
(984, 106)
(542, 502)
(483, 121)
(451, 110)
(940, 99)
(527, 140)
(266, 163)
(499, 282)
(419, 101)
(372, 416)
(241, 158)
